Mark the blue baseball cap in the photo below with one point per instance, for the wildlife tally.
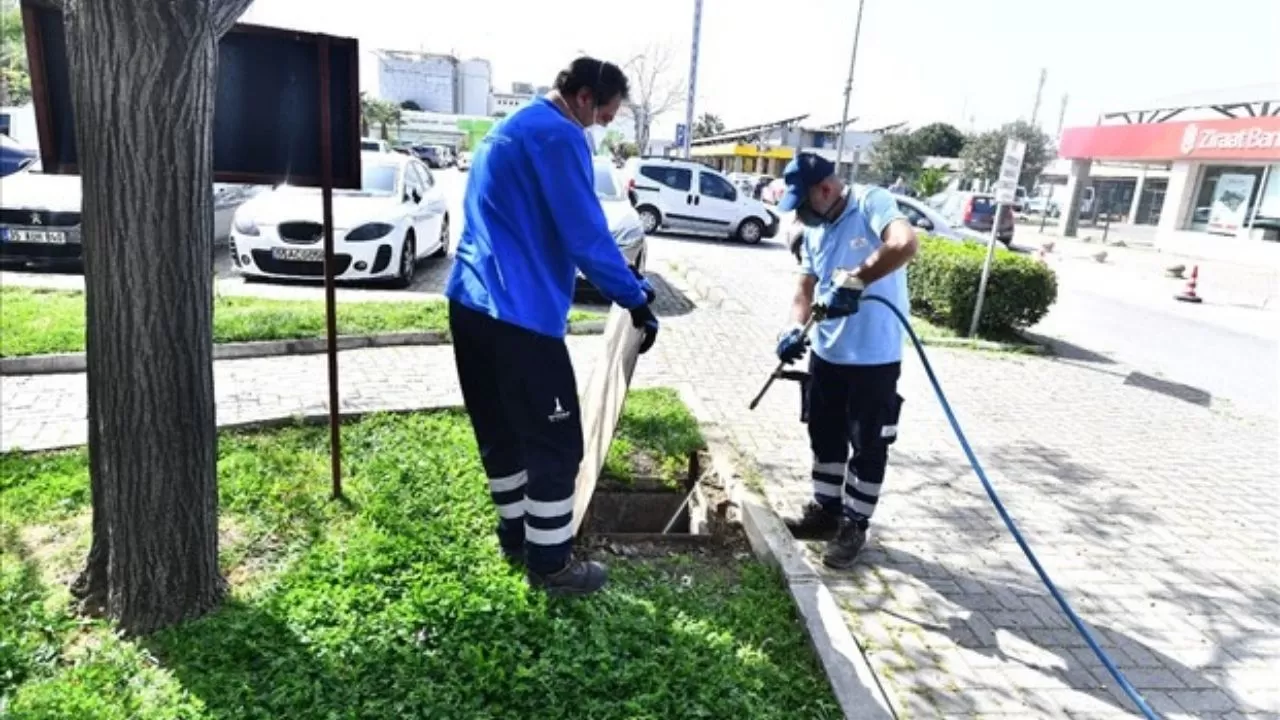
(803, 172)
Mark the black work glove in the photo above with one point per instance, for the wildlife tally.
(642, 318)
(837, 303)
(791, 344)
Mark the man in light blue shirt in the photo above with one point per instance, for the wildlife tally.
(852, 398)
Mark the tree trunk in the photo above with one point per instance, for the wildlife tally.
(143, 83)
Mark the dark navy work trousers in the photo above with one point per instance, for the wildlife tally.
(520, 391)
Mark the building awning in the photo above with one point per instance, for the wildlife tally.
(742, 150)
(1250, 138)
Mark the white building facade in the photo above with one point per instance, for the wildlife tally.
(429, 80)
(475, 80)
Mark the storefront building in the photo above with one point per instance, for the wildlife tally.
(766, 149)
(1221, 192)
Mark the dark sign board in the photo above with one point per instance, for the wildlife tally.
(267, 115)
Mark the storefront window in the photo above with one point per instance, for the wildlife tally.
(1267, 218)
(1226, 197)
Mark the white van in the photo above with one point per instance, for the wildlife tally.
(687, 197)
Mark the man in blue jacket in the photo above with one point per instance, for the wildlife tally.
(532, 218)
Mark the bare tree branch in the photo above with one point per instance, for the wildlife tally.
(654, 89)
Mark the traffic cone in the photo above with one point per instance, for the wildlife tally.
(1189, 294)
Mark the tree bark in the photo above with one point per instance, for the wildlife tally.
(143, 79)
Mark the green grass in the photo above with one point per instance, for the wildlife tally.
(395, 605)
(655, 436)
(928, 331)
(37, 322)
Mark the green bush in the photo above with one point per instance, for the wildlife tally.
(943, 281)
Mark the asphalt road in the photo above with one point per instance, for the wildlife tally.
(1201, 353)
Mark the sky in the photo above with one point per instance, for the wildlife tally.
(972, 63)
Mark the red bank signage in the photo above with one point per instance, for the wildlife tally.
(1255, 138)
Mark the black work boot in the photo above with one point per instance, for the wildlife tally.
(842, 552)
(578, 578)
(813, 523)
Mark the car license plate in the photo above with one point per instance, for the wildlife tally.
(37, 237)
(298, 254)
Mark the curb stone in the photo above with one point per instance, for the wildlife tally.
(1030, 348)
(856, 688)
(75, 362)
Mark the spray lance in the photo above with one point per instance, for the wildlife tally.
(841, 279)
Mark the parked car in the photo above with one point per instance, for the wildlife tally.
(975, 211)
(772, 193)
(684, 196)
(1042, 204)
(925, 218)
(624, 221)
(381, 231)
(464, 160)
(374, 145)
(432, 155)
(14, 157)
(745, 182)
(762, 182)
(40, 217)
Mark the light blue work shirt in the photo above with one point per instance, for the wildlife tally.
(873, 335)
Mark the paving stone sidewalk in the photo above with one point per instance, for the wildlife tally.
(46, 411)
(1153, 515)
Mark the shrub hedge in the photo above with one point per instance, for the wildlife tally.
(943, 280)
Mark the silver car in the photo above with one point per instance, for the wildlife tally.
(925, 218)
(624, 222)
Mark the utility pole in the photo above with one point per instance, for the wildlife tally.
(1062, 114)
(693, 77)
(848, 88)
(1035, 109)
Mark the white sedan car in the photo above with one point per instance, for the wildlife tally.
(381, 231)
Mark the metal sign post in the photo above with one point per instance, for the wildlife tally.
(330, 302)
(848, 91)
(1006, 192)
(693, 80)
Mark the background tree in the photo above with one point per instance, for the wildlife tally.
(940, 140)
(15, 82)
(708, 125)
(383, 114)
(655, 91)
(627, 150)
(931, 181)
(895, 154)
(143, 84)
(984, 152)
(609, 144)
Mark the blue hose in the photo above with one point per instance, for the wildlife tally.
(1080, 627)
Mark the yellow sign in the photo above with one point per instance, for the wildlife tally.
(743, 150)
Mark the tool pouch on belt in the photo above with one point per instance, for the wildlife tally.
(803, 379)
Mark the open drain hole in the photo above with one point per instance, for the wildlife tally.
(628, 518)
(638, 512)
